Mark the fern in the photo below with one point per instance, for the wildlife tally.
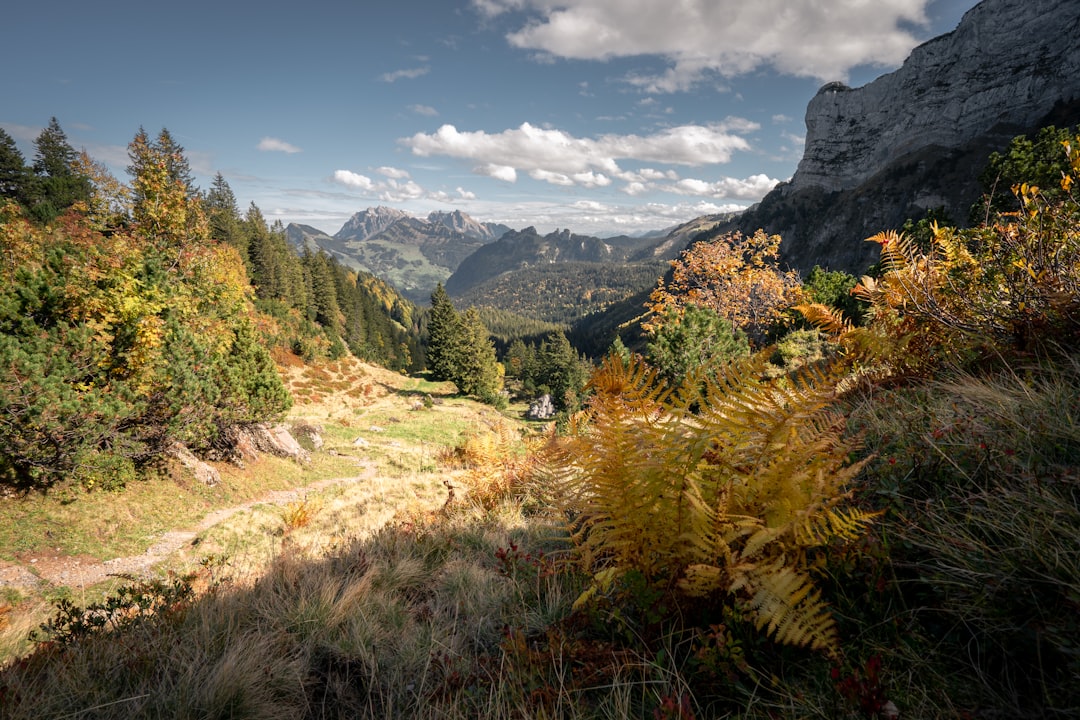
(712, 493)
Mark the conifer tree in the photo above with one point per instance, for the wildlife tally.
(14, 175)
(445, 337)
(561, 370)
(478, 371)
(698, 340)
(57, 186)
(224, 215)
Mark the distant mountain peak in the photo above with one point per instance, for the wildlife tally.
(372, 221)
(460, 222)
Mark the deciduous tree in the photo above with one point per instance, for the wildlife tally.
(735, 276)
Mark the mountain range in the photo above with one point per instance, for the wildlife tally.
(488, 263)
(413, 254)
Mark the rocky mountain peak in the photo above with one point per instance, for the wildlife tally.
(466, 225)
(372, 221)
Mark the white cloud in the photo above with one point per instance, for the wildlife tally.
(392, 172)
(396, 192)
(559, 158)
(390, 190)
(425, 110)
(354, 180)
(407, 74)
(752, 188)
(499, 172)
(726, 38)
(465, 194)
(272, 144)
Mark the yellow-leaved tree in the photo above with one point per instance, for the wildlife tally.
(736, 276)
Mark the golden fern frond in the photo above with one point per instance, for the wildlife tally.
(825, 318)
(841, 523)
(898, 251)
(786, 603)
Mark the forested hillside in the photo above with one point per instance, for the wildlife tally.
(140, 315)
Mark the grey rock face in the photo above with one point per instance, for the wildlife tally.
(1007, 63)
(918, 138)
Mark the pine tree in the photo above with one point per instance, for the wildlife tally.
(698, 340)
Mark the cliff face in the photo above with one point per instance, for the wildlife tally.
(917, 138)
(1007, 63)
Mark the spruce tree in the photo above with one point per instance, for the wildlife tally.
(57, 186)
(478, 372)
(224, 215)
(445, 337)
(14, 175)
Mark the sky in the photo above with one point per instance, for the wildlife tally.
(602, 116)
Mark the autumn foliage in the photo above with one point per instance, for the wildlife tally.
(736, 276)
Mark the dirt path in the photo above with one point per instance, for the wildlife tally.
(82, 572)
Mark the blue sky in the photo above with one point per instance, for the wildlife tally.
(602, 116)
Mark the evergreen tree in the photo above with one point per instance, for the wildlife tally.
(164, 212)
(445, 337)
(176, 162)
(478, 372)
(57, 186)
(14, 175)
(561, 370)
(698, 340)
(224, 215)
(55, 157)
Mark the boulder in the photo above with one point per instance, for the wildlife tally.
(308, 435)
(542, 408)
(205, 473)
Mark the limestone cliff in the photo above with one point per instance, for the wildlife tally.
(916, 139)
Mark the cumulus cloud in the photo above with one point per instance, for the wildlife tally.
(407, 74)
(392, 172)
(272, 144)
(354, 180)
(425, 110)
(752, 188)
(726, 38)
(556, 157)
(388, 191)
(499, 172)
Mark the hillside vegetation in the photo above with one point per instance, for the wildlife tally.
(829, 510)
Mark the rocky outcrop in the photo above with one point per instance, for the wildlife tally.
(275, 440)
(1008, 63)
(915, 139)
(204, 472)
